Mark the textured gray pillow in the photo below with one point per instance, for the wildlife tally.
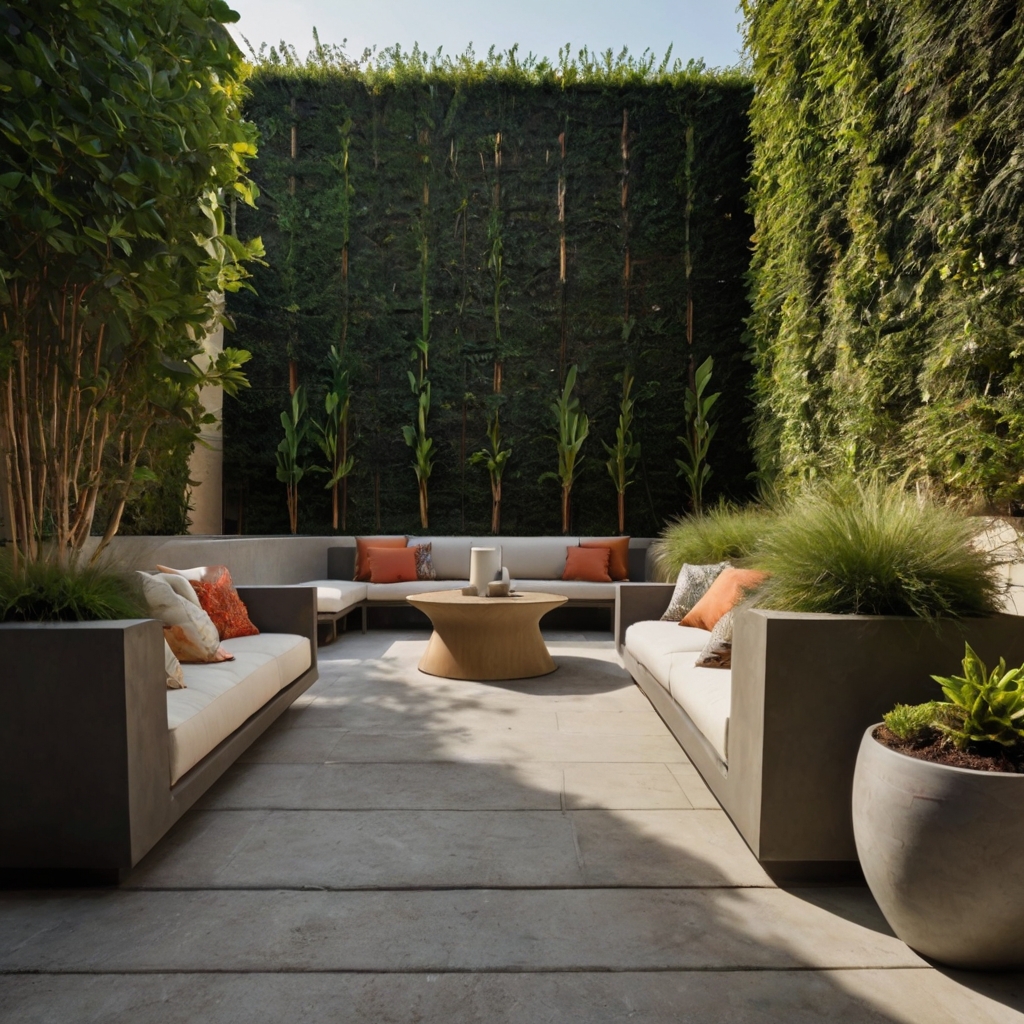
(691, 585)
(425, 563)
(717, 652)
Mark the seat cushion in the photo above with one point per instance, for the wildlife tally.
(575, 590)
(219, 698)
(705, 694)
(399, 591)
(336, 595)
(654, 643)
(531, 558)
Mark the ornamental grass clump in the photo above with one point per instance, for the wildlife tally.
(46, 592)
(873, 549)
(719, 534)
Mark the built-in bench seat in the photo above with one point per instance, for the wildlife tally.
(535, 565)
(218, 698)
(668, 652)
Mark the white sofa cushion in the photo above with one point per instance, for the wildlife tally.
(576, 590)
(705, 694)
(219, 698)
(399, 591)
(653, 643)
(450, 556)
(531, 558)
(336, 595)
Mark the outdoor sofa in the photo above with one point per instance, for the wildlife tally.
(99, 758)
(535, 564)
(776, 736)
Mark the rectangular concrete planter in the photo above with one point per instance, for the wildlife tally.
(804, 689)
(84, 750)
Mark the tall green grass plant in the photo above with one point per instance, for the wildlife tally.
(722, 533)
(45, 592)
(874, 549)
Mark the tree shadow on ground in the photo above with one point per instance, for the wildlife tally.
(411, 848)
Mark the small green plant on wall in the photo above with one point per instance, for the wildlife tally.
(290, 466)
(421, 445)
(332, 437)
(494, 458)
(622, 455)
(573, 427)
(699, 432)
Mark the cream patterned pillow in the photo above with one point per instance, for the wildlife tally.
(188, 630)
(172, 668)
(691, 585)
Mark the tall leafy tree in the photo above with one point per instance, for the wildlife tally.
(122, 136)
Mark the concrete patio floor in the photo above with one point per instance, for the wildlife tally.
(401, 848)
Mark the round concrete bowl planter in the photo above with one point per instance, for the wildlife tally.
(941, 851)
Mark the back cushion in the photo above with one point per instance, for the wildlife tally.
(363, 543)
(391, 565)
(531, 558)
(450, 556)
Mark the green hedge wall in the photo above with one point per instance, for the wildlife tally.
(466, 154)
(888, 277)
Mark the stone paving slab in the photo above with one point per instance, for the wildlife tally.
(411, 849)
(365, 849)
(442, 786)
(472, 930)
(903, 995)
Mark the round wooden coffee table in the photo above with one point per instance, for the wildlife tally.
(486, 638)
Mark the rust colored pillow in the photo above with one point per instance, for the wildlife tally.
(587, 564)
(722, 596)
(221, 602)
(618, 564)
(364, 543)
(392, 564)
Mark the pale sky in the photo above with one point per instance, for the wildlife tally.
(707, 29)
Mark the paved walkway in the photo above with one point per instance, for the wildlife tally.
(400, 848)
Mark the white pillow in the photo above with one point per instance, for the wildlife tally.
(181, 586)
(174, 610)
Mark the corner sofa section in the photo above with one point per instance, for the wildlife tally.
(775, 738)
(100, 759)
(535, 564)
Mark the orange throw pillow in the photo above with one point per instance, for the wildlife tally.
(363, 544)
(618, 564)
(731, 586)
(587, 564)
(392, 564)
(220, 600)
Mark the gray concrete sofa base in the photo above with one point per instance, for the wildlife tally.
(84, 750)
(804, 689)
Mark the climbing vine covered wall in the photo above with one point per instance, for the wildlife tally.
(464, 232)
(888, 194)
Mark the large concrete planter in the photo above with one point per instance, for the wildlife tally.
(941, 851)
(84, 754)
(804, 689)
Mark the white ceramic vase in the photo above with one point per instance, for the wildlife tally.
(484, 566)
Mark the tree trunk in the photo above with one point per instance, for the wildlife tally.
(496, 507)
(334, 507)
(622, 512)
(424, 517)
(293, 507)
(566, 494)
